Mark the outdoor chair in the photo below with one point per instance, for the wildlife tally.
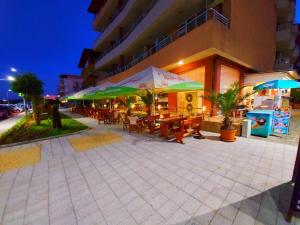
(182, 131)
(124, 120)
(134, 124)
(115, 117)
(152, 124)
(100, 117)
(188, 127)
(197, 124)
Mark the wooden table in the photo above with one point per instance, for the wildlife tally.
(166, 123)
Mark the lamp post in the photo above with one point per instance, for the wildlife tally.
(9, 78)
(14, 70)
(7, 93)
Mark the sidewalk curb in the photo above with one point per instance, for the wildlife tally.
(42, 139)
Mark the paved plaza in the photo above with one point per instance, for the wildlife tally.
(147, 181)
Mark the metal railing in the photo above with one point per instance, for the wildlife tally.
(186, 27)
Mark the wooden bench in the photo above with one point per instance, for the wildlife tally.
(151, 123)
(188, 127)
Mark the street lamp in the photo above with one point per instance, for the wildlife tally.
(9, 78)
(7, 93)
(12, 69)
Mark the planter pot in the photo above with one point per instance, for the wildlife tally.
(228, 135)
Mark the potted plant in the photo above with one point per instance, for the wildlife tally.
(228, 102)
(147, 99)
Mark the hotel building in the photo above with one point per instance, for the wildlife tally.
(216, 42)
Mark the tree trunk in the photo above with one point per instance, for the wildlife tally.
(56, 120)
(36, 110)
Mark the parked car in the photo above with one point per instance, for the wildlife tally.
(17, 109)
(5, 111)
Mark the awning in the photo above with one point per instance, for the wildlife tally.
(91, 92)
(255, 78)
(278, 84)
(155, 80)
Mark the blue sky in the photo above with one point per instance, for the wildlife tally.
(297, 11)
(44, 37)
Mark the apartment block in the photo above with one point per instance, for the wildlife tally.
(215, 42)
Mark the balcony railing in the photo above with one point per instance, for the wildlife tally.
(185, 28)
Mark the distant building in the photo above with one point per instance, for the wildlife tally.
(69, 84)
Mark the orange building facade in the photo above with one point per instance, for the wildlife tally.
(214, 42)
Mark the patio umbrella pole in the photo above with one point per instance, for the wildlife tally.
(153, 96)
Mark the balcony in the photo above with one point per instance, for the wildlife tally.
(127, 32)
(185, 28)
(114, 16)
(283, 63)
(286, 31)
(286, 36)
(285, 11)
(86, 71)
(109, 11)
(121, 25)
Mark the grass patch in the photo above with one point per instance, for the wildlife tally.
(20, 132)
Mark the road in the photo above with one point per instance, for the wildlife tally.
(10, 122)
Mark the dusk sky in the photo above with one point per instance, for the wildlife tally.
(45, 37)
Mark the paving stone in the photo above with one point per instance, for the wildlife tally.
(144, 180)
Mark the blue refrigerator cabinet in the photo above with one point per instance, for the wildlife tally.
(261, 122)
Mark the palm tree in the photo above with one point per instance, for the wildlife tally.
(127, 102)
(229, 101)
(31, 88)
(147, 99)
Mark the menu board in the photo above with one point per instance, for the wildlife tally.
(281, 122)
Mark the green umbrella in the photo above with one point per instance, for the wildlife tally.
(184, 86)
(121, 91)
(155, 80)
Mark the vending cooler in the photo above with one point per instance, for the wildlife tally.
(261, 122)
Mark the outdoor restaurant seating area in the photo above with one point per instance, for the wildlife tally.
(169, 126)
(157, 101)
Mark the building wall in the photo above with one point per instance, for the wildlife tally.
(216, 73)
(250, 40)
(252, 33)
(228, 76)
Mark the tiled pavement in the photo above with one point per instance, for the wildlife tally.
(143, 180)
